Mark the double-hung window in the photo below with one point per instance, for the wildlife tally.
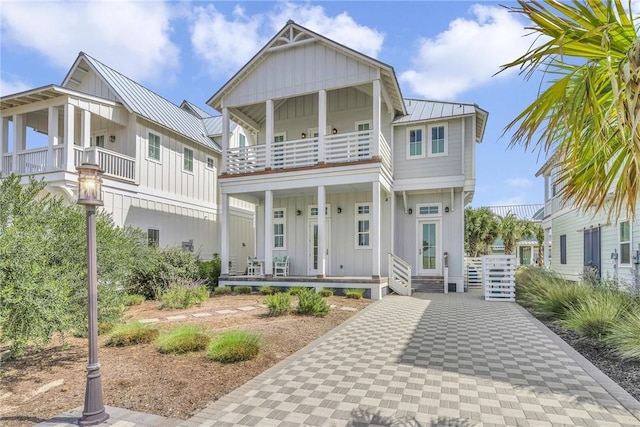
(625, 242)
(154, 146)
(363, 225)
(438, 140)
(187, 163)
(415, 142)
(153, 235)
(279, 222)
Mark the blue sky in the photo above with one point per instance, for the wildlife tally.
(444, 50)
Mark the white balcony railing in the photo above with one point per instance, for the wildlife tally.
(348, 147)
(114, 164)
(294, 153)
(7, 163)
(32, 161)
(552, 206)
(246, 159)
(385, 153)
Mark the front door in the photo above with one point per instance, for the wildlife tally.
(429, 248)
(592, 249)
(312, 262)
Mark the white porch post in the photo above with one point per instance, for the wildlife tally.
(546, 247)
(375, 231)
(224, 231)
(4, 144)
(52, 131)
(546, 190)
(375, 146)
(225, 139)
(322, 244)
(268, 134)
(322, 123)
(85, 134)
(268, 233)
(69, 130)
(19, 141)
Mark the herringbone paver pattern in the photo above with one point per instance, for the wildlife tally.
(446, 360)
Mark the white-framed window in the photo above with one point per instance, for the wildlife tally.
(363, 126)
(242, 140)
(438, 140)
(154, 237)
(363, 225)
(427, 210)
(415, 142)
(211, 163)
(153, 151)
(187, 159)
(312, 211)
(625, 242)
(278, 151)
(279, 224)
(97, 140)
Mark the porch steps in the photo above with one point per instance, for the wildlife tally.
(432, 284)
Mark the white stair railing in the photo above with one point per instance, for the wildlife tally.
(399, 275)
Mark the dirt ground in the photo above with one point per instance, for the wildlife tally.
(44, 384)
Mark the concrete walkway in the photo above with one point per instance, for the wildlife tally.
(452, 360)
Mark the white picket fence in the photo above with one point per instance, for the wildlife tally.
(498, 277)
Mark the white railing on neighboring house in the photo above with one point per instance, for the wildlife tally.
(7, 164)
(32, 161)
(113, 164)
(385, 153)
(499, 282)
(399, 275)
(473, 272)
(246, 159)
(348, 147)
(58, 156)
(552, 206)
(294, 153)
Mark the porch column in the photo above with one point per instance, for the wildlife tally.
(375, 140)
(4, 145)
(69, 130)
(322, 123)
(225, 139)
(52, 132)
(224, 231)
(19, 139)
(546, 247)
(85, 134)
(268, 233)
(322, 244)
(546, 190)
(375, 231)
(268, 134)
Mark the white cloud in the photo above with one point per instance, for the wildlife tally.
(519, 182)
(228, 42)
(467, 54)
(8, 87)
(131, 36)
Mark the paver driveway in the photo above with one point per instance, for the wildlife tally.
(452, 360)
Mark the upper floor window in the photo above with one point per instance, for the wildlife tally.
(187, 159)
(279, 221)
(363, 225)
(211, 163)
(415, 142)
(154, 146)
(154, 237)
(563, 249)
(625, 242)
(242, 140)
(98, 140)
(438, 140)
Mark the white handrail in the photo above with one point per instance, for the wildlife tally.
(385, 153)
(348, 147)
(114, 164)
(399, 275)
(251, 158)
(294, 153)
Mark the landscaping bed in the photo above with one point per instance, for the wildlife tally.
(43, 384)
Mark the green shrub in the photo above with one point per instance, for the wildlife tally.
(625, 336)
(222, 290)
(133, 333)
(267, 290)
(326, 292)
(183, 339)
(296, 290)
(210, 271)
(134, 299)
(242, 290)
(356, 293)
(595, 316)
(184, 294)
(234, 346)
(278, 304)
(311, 303)
(105, 327)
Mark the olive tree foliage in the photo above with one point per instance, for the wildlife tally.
(43, 271)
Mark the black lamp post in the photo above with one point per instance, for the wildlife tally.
(90, 195)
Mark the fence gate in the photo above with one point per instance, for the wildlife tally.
(499, 282)
(473, 272)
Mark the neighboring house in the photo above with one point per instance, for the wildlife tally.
(587, 239)
(161, 161)
(343, 169)
(526, 250)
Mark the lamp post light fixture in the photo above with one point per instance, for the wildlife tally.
(90, 195)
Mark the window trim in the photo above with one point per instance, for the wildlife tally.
(149, 157)
(245, 140)
(157, 230)
(563, 249)
(428, 215)
(96, 134)
(627, 242)
(327, 214)
(362, 217)
(214, 163)
(184, 160)
(274, 222)
(408, 139)
(446, 140)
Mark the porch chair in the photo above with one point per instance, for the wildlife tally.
(281, 266)
(254, 267)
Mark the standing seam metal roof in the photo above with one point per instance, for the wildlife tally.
(418, 109)
(528, 212)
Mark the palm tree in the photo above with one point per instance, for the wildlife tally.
(481, 230)
(512, 230)
(539, 234)
(589, 113)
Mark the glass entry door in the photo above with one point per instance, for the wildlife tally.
(429, 248)
(313, 255)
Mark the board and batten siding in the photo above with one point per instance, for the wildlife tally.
(428, 167)
(95, 85)
(300, 69)
(345, 259)
(469, 148)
